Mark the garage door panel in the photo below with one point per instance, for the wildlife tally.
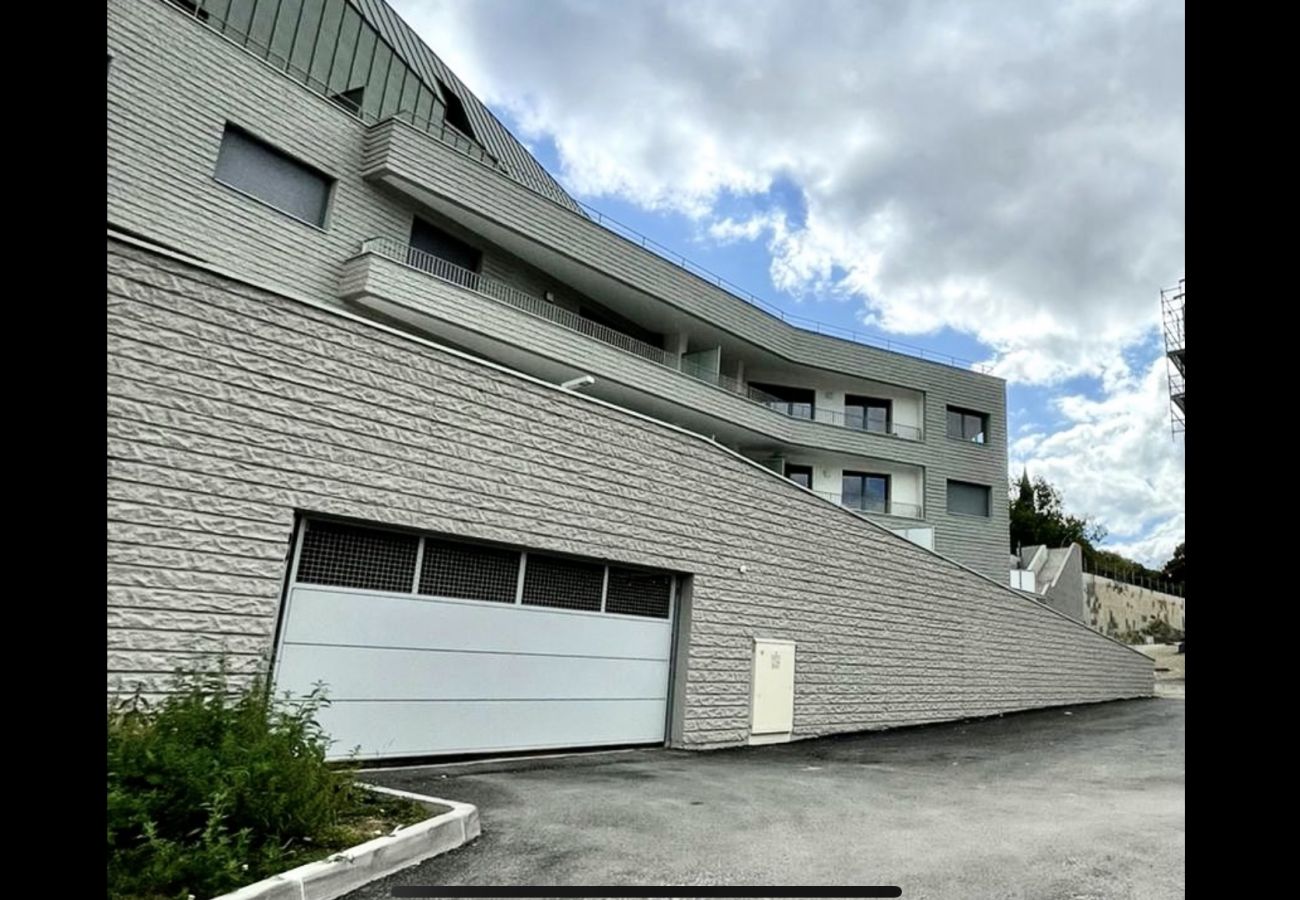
(342, 617)
(371, 673)
(411, 728)
(412, 666)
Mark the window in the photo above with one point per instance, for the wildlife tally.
(263, 172)
(793, 401)
(433, 241)
(868, 413)
(455, 113)
(192, 6)
(865, 492)
(965, 499)
(965, 425)
(800, 475)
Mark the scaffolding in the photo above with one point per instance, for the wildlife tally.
(1173, 310)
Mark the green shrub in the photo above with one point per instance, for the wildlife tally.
(214, 788)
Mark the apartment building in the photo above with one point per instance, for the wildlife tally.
(318, 153)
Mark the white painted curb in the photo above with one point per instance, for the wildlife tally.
(350, 869)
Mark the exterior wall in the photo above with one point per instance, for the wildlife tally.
(230, 409)
(406, 160)
(979, 543)
(1064, 593)
(172, 86)
(1115, 608)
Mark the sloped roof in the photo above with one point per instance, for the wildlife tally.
(495, 137)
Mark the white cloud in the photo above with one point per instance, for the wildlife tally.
(1115, 461)
(1011, 169)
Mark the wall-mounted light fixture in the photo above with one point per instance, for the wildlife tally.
(580, 382)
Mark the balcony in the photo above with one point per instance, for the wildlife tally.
(604, 259)
(441, 269)
(872, 506)
(435, 267)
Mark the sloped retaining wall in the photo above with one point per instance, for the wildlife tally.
(231, 409)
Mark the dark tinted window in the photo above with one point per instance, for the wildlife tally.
(967, 425)
(868, 413)
(793, 401)
(967, 499)
(430, 239)
(801, 475)
(455, 113)
(865, 491)
(260, 170)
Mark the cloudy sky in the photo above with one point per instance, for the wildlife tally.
(1003, 181)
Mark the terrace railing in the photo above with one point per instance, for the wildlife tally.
(443, 270)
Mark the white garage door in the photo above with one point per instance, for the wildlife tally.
(427, 646)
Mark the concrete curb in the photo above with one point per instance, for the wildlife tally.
(350, 869)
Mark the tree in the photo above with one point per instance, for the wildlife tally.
(1038, 517)
(1176, 569)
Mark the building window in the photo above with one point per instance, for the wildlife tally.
(966, 425)
(431, 241)
(865, 492)
(455, 114)
(277, 179)
(965, 499)
(868, 413)
(800, 475)
(192, 7)
(797, 402)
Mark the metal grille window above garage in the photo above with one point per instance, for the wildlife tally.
(467, 572)
(563, 583)
(347, 556)
(636, 593)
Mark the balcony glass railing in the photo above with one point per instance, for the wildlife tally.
(873, 505)
(443, 270)
(855, 421)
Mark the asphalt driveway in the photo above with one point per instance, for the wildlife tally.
(1078, 803)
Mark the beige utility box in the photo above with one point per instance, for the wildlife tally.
(772, 687)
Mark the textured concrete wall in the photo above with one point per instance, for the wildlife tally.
(1065, 592)
(231, 408)
(1115, 608)
(172, 86)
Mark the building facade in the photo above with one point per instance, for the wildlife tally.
(341, 298)
(459, 234)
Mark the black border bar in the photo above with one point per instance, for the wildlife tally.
(850, 893)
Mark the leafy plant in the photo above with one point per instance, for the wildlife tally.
(212, 787)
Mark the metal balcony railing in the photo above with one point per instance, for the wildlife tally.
(873, 506)
(443, 270)
(859, 422)
(805, 411)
